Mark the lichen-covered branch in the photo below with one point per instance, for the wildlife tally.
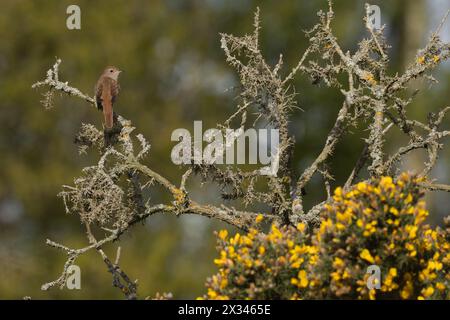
(112, 195)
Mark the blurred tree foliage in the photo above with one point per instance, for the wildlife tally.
(175, 73)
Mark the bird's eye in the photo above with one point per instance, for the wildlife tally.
(110, 70)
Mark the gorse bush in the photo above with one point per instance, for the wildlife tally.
(378, 222)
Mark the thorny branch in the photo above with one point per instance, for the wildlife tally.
(109, 196)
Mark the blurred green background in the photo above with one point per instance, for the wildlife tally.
(175, 73)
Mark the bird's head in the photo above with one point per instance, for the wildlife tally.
(112, 72)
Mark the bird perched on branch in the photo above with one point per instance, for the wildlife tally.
(106, 91)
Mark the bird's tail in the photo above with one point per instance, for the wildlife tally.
(108, 136)
(111, 134)
(108, 114)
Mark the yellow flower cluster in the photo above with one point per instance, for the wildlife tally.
(383, 222)
(256, 259)
(388, 283)
(378, 222)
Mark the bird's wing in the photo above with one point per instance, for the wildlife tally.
(98, 93)
(115, 88)
(106, 97)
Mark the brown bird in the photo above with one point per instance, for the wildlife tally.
(106, 91)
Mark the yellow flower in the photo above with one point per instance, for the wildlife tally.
(362, 187)
(407, 290)
(421, 60)
(394, 211)
(413, 253)
(434, 265)
(421, 215)
(386, 182)
(324, 226)
(274, 234)
(281, 260)
(223, 283)
(248, 263)
(409, 199)
(297, 263)
(335, 276)
(223, 234)
(440, 286)
(246, 241)
(338, 262)
(412, 231)
(340, 226)
(303, 279)
(312, 249)
(428, 291)
(301, 227)
(223, 259)
(290, 243)
(393, 272)
(261, 250)
(212, 294)
(235, 240)
(231, 251)
(365, 254)
(359, 223)
(259, 218)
